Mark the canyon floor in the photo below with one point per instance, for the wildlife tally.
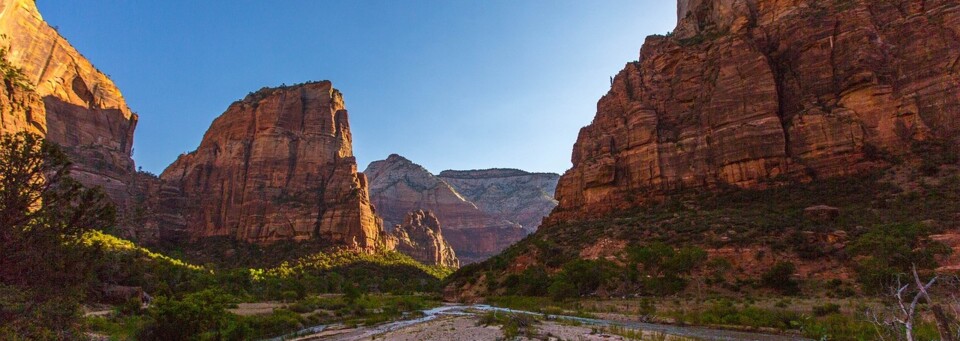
(484, 322)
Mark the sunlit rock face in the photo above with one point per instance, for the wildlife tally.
(421, 238)
(399, 186)
(69, 101)
(278, 165)
(744, 92)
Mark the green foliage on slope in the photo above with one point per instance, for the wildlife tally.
(886, 221)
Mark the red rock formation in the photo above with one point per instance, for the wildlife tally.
(398, 186)
(80, 108)
(510, 194)
(748, 91)
(420, 238)
(278, 165)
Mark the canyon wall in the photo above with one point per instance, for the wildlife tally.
(59, 94)
(748, 93)
(278, 165)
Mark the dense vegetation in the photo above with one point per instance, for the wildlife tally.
(193, 301)
(45, 268)
(885, 226)
(58, 254)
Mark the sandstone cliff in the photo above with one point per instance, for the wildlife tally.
(278, 165)
(420, 238)
(66, 99)
(511, 194)
(745, 93)
(399, 186)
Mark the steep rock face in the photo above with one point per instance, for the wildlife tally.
(81, 109)
(278, 165)
(420, 238)
(511, 194)
(748, 92)
(21, 109)
(399, 186)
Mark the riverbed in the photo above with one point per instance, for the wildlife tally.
(460, 322)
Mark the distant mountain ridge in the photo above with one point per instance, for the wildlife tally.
(516, 195)
(465, 202)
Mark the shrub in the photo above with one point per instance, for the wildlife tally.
(588, 275)
(201, 315)
(826, 309)
(513, 325)
(890, 250)
(663, 267)
(780, 278)
(560, 290)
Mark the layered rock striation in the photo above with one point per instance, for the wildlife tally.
(278, 165)
(511, 194)
(59, 94)
(746, 93)
(420, 238)
(399, 186)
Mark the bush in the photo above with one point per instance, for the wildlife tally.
(826, 309)
(560, 290)
(780, 278)
(663, 267)
(588, 275)
(201, 315)
(890, 250)
(279, 322)
(513, 325)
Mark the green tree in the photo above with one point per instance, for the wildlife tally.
(888, 251)
(43, 215)
(198, 316)
(664, 269)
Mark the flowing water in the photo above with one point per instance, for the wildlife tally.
(699, 333)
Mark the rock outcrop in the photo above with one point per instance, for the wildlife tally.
(420, 238)
(399, 186)
(63, 97)
(746, 93)
(278, 165)
(510, 194)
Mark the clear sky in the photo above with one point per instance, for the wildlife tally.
(449, 84)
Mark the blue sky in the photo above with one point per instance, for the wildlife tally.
(452, 84)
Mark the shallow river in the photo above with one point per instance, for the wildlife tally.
(456, 309)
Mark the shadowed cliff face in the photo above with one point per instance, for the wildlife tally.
(420, 238)
(69, 101)
(746, 93)
(278, 165)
